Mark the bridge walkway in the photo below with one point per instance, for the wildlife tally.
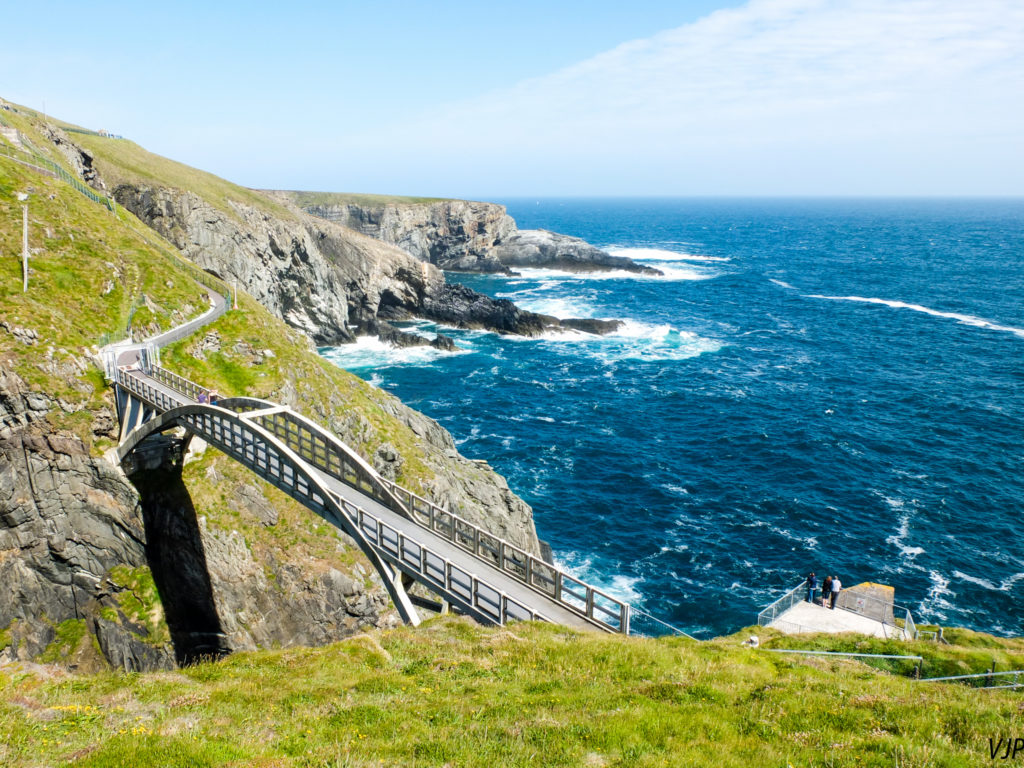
(522, 600)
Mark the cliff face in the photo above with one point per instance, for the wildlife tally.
(325, 279)
(464, 236)
(451, 234)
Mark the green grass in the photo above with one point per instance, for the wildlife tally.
(452, 693)
(361, 414)
(69, 636)
(140, 602)
(89, 268)
(306, 199)
(969, 652)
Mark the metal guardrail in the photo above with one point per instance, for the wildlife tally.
(902, 657)
(796, 595)
(179, 383)
(982, 676)
(888, 612)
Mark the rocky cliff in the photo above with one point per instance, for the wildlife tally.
(100, 569)
(460, 235)
(329, 281)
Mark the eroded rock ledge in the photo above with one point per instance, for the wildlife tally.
(460, 235)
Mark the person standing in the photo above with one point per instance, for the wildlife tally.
(826, 590)
(812, 587)
(836, 586)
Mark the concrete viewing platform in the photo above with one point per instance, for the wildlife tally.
(807, 617)
(867, 608)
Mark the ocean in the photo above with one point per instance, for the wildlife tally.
(827, 385)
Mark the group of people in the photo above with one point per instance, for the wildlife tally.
(210, 397)
(830, 589)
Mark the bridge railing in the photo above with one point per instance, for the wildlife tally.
(246, 442)
(324, 451)
(588, 601)
(147, 392)
(441, 573)
(178, 383)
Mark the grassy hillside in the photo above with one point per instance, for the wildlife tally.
(451, 693)
(306, 199)
(90, 272)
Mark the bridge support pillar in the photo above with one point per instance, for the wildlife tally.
(399, 586)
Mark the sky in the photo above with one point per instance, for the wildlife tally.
(489, 100)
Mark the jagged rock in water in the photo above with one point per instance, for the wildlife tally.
(550, 250)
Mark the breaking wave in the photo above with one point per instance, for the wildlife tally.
(977, 322)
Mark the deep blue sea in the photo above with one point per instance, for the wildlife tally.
(830, 385)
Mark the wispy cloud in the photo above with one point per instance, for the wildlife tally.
(784, 96)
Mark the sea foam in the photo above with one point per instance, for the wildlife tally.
(669, 274)
(659, 254)
(370, 352)
(632, 341)
(977, 322)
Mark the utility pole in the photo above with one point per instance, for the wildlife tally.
(236, 292)
(24, 247)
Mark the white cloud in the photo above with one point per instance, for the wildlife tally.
(779, 96)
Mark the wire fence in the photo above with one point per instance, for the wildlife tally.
(85, 131)
(56, 171)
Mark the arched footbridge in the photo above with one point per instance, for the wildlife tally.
(407, 538)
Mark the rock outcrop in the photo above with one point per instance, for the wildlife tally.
(66, 520)
(550, 250)
(460, 235)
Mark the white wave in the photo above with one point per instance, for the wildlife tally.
(781, 283)
(898, 539)
(935, 602)
(632, 341)
(1005, 586)
(370, 351)
(618, 586)
(977, 322)
(669, 274)
(676, 490)
(558, 307)
(659, 254)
